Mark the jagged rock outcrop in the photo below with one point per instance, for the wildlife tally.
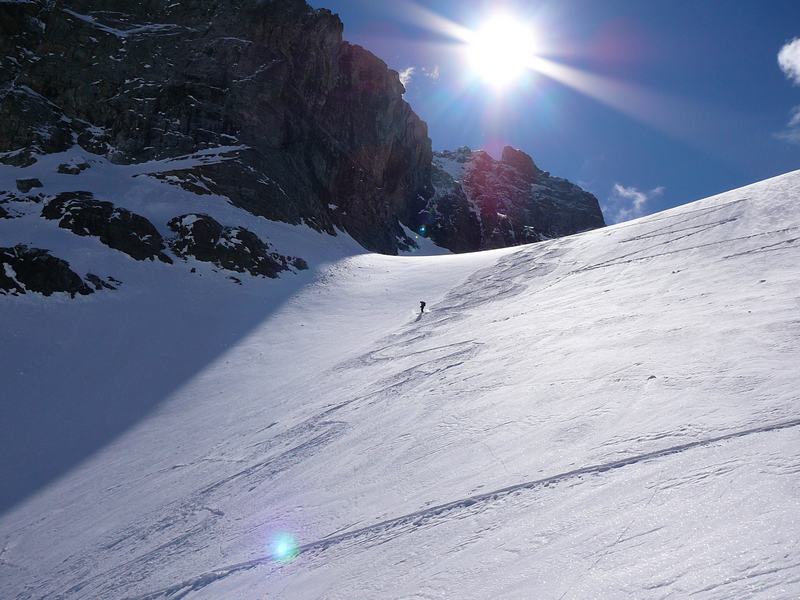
(482, 203)
(116, 227)
(24, 269)
(233, 248)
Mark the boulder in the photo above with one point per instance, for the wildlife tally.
(26, 185)
(73, 167)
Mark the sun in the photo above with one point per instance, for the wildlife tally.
(500, 52)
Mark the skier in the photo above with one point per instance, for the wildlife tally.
(421, 307)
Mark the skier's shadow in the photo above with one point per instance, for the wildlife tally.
(418, 317)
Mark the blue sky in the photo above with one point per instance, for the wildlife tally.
(678, 99)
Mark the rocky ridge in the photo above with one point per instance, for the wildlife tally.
(503, 203)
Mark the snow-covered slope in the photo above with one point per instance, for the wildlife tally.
(609, 415)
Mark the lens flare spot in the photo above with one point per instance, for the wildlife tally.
(284, 548)
(423, 230)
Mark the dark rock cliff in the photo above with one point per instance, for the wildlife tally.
(482, 203)
(325, 137)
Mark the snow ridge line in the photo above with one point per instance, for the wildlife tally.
(419, 517)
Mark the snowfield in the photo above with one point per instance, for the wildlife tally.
(609, 415)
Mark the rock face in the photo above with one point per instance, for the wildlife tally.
(24, 269)
(232, 248)
(482, 203)
(116, 227)
(325, 137)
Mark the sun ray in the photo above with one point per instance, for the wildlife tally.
(426, 19)
(668, 114)
(484, 49)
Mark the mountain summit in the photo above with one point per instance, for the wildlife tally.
(482, 203)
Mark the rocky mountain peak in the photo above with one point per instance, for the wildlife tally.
(481, 203)
(521, 162)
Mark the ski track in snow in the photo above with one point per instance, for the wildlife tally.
(429, 516)
(622, 387)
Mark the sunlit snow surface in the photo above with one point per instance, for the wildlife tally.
(609, 415)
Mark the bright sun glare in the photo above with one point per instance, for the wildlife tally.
(501, 51)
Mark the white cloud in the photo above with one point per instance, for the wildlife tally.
(626, 203)
(406, 75)
(794, 121)
(792, 132)
(789, 60)
(790, 135)
(410, 73)
(431, 73)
